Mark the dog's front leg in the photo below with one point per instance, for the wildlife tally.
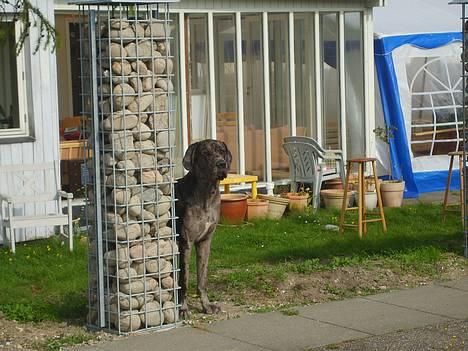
(203, 255)
(185, 251)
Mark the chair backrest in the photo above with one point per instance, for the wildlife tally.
(30, 182)
(318, 148)
(302, 161)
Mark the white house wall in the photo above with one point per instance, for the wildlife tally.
(41, 82)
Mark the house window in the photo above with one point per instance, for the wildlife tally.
(14, 125)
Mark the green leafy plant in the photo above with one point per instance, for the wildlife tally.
(385, 133)
(30, 16)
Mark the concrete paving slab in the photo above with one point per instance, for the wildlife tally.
(435, 299)
(179, 339)
(276, 331)
(461, 284)
(368, 316)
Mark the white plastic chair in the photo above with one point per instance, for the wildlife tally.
(310, 163)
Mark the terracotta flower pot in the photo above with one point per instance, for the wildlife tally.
(256, 208)
(370, 200)
(297, 202)
(392, 193)
(233, 207)
(333, 198)
(276, 205)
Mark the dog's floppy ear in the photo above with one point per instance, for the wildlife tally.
(227, 155)
(189, 155)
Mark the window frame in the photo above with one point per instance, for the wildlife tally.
(25, 132)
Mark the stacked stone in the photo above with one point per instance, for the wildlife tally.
(135, 72)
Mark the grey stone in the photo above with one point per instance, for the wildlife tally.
(144, 161)
(158, 121)
(118, 24)
(120, 180)
(128, 232)
(142, 51)
(155, 29)
(124, 95)
(165, 84)
(141, 103)
(125, 35)
(122, 141)
(115, 51)
(141, 132)
(121, 196)
(171, 314)
(126, 166)
(140, 68)
(120, 121)
(147, 147)
(121, 68)
(151, 314)
(151, 177)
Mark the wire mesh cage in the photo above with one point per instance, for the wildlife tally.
(464, 62)
(127, 101)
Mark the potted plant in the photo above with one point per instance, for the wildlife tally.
(257, 208)
(392, 190)
(370, 194)
(298, 200)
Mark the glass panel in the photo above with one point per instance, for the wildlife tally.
(9, 106)
(438, 108)
(198, 82)
(279, 92)
(304, 49)
(252, 68)
(226, 84)
(354, 73)
(330, 70)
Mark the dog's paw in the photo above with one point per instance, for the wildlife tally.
(184, 312)
(211, 308)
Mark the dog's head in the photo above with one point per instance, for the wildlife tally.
(208, 158)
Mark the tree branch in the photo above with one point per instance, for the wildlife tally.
(29, 16)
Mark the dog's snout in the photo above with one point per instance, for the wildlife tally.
(221, 164)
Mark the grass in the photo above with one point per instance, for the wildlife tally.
(43, 281)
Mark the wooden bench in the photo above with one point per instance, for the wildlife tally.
(238, 179)
(33, 184)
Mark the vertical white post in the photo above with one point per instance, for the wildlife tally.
(211, 73)
(266, 91)
(183, 83)
(292, 76)
(318, 77)
(240, 94)
(342, 80)
(369, 92)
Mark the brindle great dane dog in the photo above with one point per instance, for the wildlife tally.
(197, 208)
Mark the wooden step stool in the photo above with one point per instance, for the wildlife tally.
(445, 204)
(362, 222)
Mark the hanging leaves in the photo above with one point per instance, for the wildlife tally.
(30, 16)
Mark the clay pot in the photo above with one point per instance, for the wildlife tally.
(276, 205)
(392, 193)
(333, 184)
(370, 200)
(233, 207)
(333, 198)
(297, 202)
(256, 208)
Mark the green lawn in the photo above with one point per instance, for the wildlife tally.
(43, 281)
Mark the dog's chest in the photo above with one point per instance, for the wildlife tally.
(200, 222)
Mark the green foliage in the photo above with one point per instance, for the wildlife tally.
(56, 344)
(44, 281)
(385, 133)
(30, 16)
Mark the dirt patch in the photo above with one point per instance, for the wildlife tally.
(295, 289)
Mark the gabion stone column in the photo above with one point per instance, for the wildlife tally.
(127, 90)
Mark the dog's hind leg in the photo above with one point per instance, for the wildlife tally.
(185, 251)
(203, 255)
